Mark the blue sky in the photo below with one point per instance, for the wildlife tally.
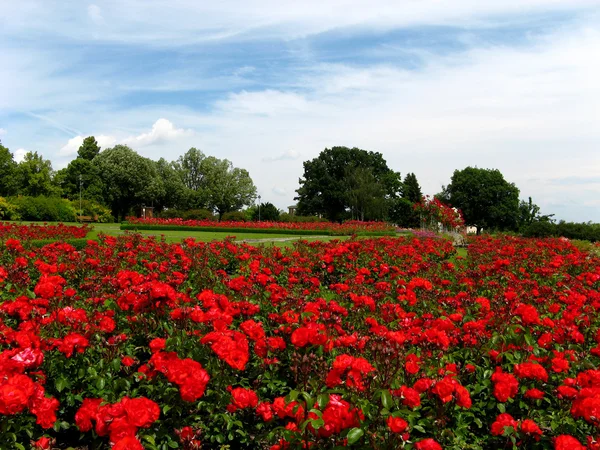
(434, 86)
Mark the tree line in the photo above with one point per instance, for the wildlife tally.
(350, 183)
(122, 179)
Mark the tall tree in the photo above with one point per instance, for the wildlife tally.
(174, 190)
(366, 195)
(268, 211)
(8, 168)
(192, 171)
(34, 175)
(80, 174)
(324, 187)
(227, 188)
(411, 189)
(128, 179)
(485, 198)
(89, 149)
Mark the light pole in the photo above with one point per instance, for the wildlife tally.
(259, 208)
(80, 187)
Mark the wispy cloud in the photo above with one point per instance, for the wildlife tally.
(19, 154)
(95, 13)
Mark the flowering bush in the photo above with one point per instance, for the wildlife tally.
(22, 232)
(347, 228)
(435, 214)
(382, 343)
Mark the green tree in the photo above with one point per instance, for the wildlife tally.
(173, 192)
(80, 174)
(485, 198)
(268, 212)
(89, 149)
(8, 169)
(128, 179)
(529, 213)
(324, 186)
(227, 188)
(365, 194)
(403, 214)
(411, 189)
(34, 175)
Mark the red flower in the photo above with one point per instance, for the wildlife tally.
(505, 385)
(567, 442)
(528, 426)
(141, 412)
(128, 443)
(503, 421)
(396, 424)
(533, 371)
(241, 398)
(534, 394)
(428, 444)
(127, 361)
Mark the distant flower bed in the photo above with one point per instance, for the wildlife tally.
(350, 227)
(40, 232)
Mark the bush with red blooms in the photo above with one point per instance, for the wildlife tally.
(20, 232)
(347, 228)
(135, 343)
(435, 214)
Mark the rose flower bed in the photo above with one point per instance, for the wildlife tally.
(301, 228)
(32, 231)
(384, 343)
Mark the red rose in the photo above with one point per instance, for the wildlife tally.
(396, 424)
(428, 444)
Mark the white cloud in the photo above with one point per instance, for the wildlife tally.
(290, 155)
(19, 154)
(95, 13)
(162, 131)
(71, 147)
(2, 131)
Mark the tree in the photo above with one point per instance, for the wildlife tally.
(128, 179)
(529, 213)
(325, 185)
(366, 195)
(268, 212)
(227, 188)
(80, 174)
(411, 189)
(403, 214)
(8, 168)
(173, 193)
(34, 175)
(89, 149)
(485, 198)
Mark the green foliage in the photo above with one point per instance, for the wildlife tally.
(80, 176)
(8, 211)
(485, 198)
(324, 188)
(529, 213)
(403, 214)
(268, 212)
(8, 168)
(45, 209)
(570, 230)
(173, 191)
(100, 213)
(89, 149)
(128, 179)
(34, 175)
(411, 190)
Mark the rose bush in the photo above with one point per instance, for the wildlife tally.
(376, 344)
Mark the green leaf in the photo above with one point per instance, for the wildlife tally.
(354, 435)
(323, 400)
(61, 384)
(386, 399)
(501, 407)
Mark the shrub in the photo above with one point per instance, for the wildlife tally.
(44, 209)
(8, 211)
(101, 213)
